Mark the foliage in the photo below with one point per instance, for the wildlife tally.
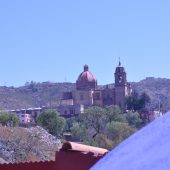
(51, 121)
(144, 99)
(105, 127)
(114, 113)
(70, 122)
(134, 119)
(137, 102)
(94, 119)
(118, 131)
(9, 119)
(80, 132)
(103, 141)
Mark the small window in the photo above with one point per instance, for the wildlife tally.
(81, 97)
(97, 96)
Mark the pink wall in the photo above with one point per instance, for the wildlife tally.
(65, 160)
(29, 166)
(75, 160)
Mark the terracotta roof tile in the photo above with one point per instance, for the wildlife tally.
(83, 148)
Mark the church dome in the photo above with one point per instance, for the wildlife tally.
(86, 75)
(86, 80)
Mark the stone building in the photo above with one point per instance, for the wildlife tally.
(88, 93)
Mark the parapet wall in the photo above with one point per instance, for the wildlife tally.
(29, 166)
(71, 157)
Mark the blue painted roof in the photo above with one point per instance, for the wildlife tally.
(147, 149)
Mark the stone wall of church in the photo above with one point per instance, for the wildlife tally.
(98, 98)
(108, 96)
(82, 97)
(120, 94)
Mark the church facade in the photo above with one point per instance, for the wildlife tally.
(88, 93)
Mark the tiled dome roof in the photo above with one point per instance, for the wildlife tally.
(86, 80)
(86, 75)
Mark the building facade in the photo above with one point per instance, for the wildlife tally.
(27, 116)
(88, 93)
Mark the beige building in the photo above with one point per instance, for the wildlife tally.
(88, 93)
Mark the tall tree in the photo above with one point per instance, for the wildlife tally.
(94, 119)
(137, 102)
(118, 131)
(51, 121)
(114, 113)
(144, 99)
(105, 127)
(134, 120)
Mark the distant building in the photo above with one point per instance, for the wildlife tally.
(150, 115)
(27, 116)
(88, 94)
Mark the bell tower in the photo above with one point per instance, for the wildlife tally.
(121, 86)
(120, 75)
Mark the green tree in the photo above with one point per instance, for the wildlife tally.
(103, 141)
(70, 122)
(118, 131)
(80, 132)
(94, 120)
(144, 100)
(134, 119)
(105, 127)
(137, 102)
(114, 113)
(9, 119)
(51, 121)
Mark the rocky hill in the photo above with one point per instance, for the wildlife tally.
(27, 144)
(158, 89)
(40, 94)
(32, 94)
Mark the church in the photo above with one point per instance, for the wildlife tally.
(88, 93)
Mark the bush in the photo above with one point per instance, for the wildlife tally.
(51, 121)
(9, 119)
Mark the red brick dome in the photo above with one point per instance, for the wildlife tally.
(86, 75)
(86, 80)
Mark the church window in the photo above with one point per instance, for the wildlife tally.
(81, 97)
(97, 96)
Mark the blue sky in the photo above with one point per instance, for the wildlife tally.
(51, 40)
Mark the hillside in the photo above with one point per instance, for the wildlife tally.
(40, 94)
(27, 144)
(158, 89)
(32, 94)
